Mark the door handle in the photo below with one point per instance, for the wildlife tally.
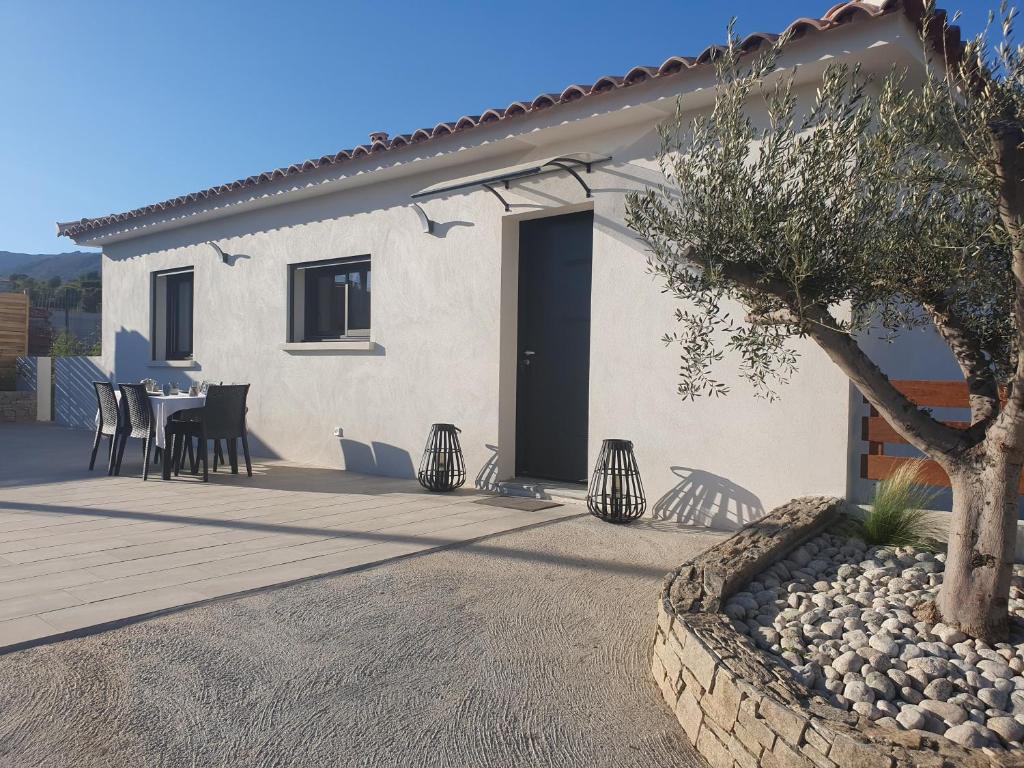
(527, 354)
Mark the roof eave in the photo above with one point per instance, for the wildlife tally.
(518, 116)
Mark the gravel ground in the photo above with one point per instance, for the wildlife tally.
(528, 649)
(841, 615)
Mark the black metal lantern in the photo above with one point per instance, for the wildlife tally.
(442, 467)
(616, 493)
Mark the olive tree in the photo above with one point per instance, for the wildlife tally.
(888, 203)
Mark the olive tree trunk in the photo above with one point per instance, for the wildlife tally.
(985, 478)
(982, 541)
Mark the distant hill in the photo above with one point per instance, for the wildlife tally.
(43, 266)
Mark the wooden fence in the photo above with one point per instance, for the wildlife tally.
(876, 465)
(13, 331)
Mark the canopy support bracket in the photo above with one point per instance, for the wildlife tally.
(564, 164)
(497, 194)
(425, 221)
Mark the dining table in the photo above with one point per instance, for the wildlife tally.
(164, 406)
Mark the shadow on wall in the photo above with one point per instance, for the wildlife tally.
(132, 353)
(442, 228)
(74, 399)
(703, 498)
(487, 477)
(377, 459)
(257, 447)
(132, 356)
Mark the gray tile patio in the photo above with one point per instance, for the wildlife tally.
(80, 550)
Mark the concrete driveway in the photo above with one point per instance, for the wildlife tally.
(528, 648)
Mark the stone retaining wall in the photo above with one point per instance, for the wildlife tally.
(17, 406)
(737, 705)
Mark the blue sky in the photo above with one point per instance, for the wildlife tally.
(111, 105)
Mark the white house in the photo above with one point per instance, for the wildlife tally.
(479, 272)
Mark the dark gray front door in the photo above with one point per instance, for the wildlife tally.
(555, 257)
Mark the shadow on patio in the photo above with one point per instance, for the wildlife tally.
(433, 543)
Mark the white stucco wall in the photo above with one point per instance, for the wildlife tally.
(444, 316)
(437, 316)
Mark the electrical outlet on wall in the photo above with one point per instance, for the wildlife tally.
(339, 432)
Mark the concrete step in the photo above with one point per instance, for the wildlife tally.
(565, 493)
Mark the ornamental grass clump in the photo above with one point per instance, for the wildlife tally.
(898, 516)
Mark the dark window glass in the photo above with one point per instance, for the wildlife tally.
(337, 301)
(179, 316)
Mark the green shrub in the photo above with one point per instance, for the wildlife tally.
(897, 517)
(66, 344)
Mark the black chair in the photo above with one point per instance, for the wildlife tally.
(141, 424)
(109, 421)
(221, 418)
(218, 454)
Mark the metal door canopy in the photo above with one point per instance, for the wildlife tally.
(572, 163)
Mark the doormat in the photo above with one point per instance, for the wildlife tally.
(522, 503)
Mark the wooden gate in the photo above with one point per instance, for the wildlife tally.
(876, 465)
(13, 332)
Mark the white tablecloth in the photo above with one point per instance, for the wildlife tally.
(164, 406)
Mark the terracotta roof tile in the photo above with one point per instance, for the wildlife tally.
(838, 15)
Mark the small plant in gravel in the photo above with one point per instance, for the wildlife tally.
(898, 516)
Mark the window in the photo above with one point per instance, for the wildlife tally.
(330, 300)
(172, 314)
(179, 317)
